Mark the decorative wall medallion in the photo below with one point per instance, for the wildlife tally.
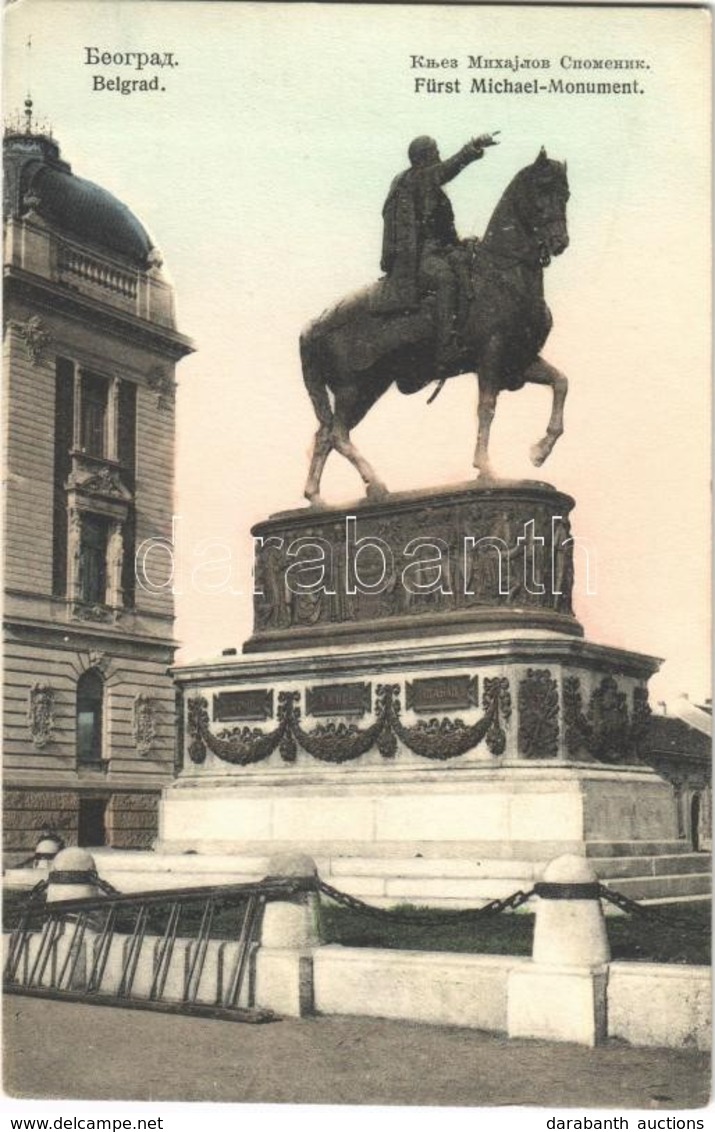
(538, 715)
(34, 335)
(338, 699)
(41, 714)
(161, 382)
(255, 703)
(440, 693)
(146, 711)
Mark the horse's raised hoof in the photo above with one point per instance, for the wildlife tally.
(376, 491)
(540, 451)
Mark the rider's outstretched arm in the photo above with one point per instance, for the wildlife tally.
(449, 169)
(472, 151)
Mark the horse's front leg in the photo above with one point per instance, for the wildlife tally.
(340, 438)
(542, 372)
(485, 416)
(322, 447)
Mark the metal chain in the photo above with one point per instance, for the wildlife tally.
(37, 891)
(509, 903)
(627, 905)
(104, 885)
(494, 907)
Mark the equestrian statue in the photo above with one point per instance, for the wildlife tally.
(444, 307)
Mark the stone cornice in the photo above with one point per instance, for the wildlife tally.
(442, 656)
(70, 636)
(54, 299)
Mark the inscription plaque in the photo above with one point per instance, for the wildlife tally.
(338, 699)
(255, 703)
(442, 693)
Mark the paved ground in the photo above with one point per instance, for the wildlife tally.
(50, 1045)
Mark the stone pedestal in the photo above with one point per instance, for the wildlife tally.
(416, 565)
(451, 712)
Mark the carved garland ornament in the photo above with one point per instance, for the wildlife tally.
(605, 730)
(340, 742)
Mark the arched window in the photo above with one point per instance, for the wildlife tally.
(90, 697)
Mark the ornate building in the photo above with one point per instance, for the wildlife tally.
(90, 351)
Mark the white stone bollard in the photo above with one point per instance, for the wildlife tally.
(570, 926)
(72, 876)
(46, 850)
(562, 995)
(289, 933)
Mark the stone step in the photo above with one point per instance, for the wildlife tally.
(649, 888)
(440, 882)
(677, 864)
(637, 848)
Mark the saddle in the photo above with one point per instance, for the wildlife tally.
(381, 319)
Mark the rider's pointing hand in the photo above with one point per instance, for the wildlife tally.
(485, 139)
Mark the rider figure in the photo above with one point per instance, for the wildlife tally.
(419, 235)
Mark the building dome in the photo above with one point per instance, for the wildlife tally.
(34, 171)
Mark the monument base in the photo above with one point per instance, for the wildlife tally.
(417, 708)
(442, 836)
(447, 773)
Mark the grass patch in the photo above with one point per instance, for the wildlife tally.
(643, 938)
(681, 933)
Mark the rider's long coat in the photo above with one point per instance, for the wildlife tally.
(418, 212)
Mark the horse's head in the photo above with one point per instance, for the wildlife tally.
(541, 193)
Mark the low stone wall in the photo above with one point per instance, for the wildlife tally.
(648, 1004)
(438, 987)
(569, 990)
(658, 1004)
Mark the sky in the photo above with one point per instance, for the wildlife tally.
(261, 170)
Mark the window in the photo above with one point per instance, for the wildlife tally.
(93, 560)
(92, 822)
(90, 701)
(93, 415)
(95, 448)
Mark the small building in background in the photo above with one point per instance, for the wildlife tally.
(91, 347)
(678, 744)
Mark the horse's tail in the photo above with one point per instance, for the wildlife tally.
(314, 383)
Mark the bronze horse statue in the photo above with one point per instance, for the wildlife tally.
(356, 350)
